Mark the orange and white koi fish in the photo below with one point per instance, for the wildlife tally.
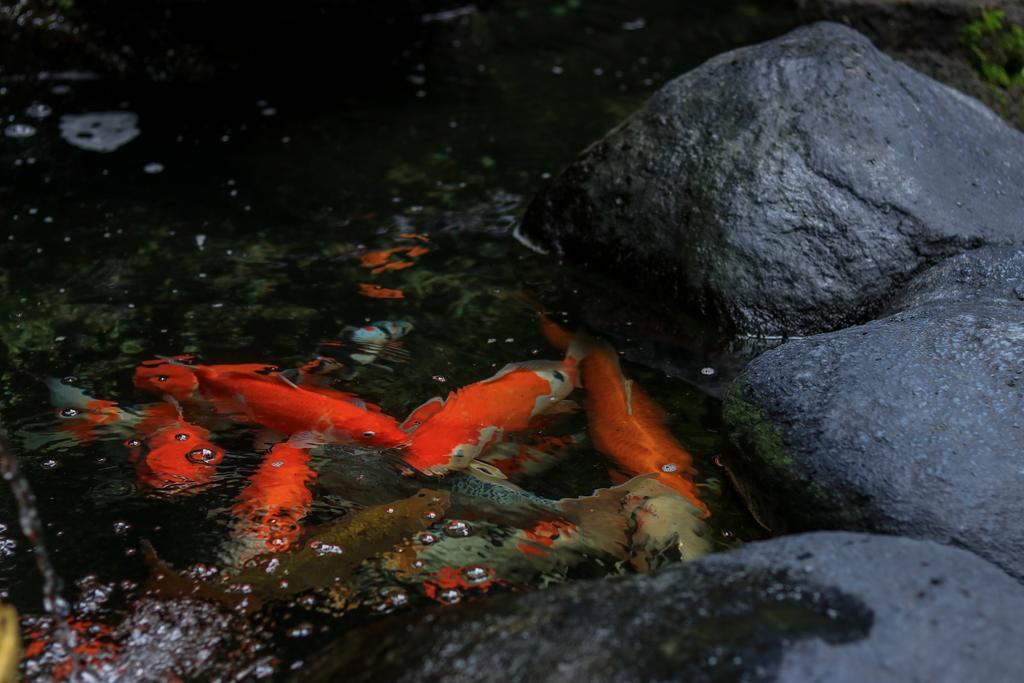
(626, 425)
(85, 418)
(177, 457)
(275, 501)
(274, 402)
(450, 433)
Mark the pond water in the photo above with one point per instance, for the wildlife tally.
(239, 222)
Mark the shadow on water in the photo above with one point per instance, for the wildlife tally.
(228, 218)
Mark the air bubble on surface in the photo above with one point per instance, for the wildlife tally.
(99, 131)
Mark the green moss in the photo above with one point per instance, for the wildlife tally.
(754, 429)
(997, 48)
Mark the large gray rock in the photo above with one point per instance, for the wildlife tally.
(912, 424)
(789, 186)
(829, 606)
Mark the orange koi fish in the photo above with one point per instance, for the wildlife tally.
(277, 498)
(378, 292)
(395, 258)
(172, 377)
(179, 457)
(629, 427)
(450, 433)
(276, 403)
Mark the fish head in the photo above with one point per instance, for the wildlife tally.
(180, 455)
(161, 377)
(395, 329)
(436, 451)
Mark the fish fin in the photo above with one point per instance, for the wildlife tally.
(627, 388)
(600, 517)
(531, 365)
(291, 376)
(422, 413)
(564, 407)
(304, 440)
(265, 439)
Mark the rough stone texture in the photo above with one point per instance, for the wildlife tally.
(827, 606)
(789, 186)
(912, 424)
(926, 35)
(991, 274)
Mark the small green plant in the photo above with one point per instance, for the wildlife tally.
(997, 48)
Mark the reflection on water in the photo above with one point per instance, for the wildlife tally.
(286, 227)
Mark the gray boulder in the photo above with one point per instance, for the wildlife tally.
(912, 424)
(789, 186)
(827, 606)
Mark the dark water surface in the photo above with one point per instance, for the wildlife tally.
(231, 228)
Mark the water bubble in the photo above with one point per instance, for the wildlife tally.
(417, 564)
(393, 598)
(277, 464)
(201, 456)
(457, 528)
(153, 167)
(475, 574)
(38, 110)
(302, 630)
(132, 443)
(450, 596)
(68, 412)
(49, 464)
(430, 514)
(669, 467)
(121, 527)
(162, 378)
(100, 131)
(707, 372)
(181, 437)
(19, 130)
(389, 510)
(428, 539)
(70, 379)
(323, 549)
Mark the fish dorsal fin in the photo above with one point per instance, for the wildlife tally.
(530, 365)
(627, 388)
(289, 377)
(422, 413)
(486, 469)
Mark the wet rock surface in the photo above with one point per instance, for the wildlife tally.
(825, 606)
(789, 186)
(928, 35)
(912, 424)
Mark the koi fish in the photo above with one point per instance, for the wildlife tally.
(364, 345)
(450, 433)
(276, 499)
(172, 376)
(377, 292)
(85, 418)
(178, 457)
(395, 258)
(276, 403)
(666, 527)
(594, 527)
(626, 425)
(533, 457)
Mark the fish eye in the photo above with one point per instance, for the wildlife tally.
(557, 374)
(162, 378)
(68, 412)
(369, 435)
(669, 467)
